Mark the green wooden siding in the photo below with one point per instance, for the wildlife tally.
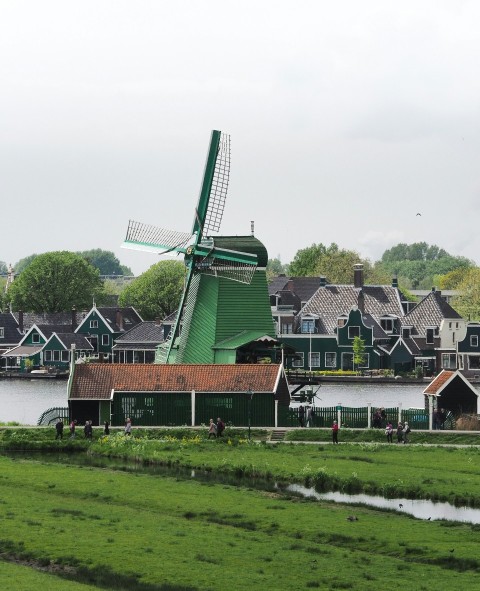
(174, 409)
(150, 409)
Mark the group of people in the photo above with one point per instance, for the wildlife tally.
(306, 416)
(216, 429)
(403, 429)
(87, 429)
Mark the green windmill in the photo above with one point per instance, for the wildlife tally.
(224, 312)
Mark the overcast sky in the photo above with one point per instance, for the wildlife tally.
(347, 118)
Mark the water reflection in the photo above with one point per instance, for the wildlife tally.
(426, 510)
(417, 508)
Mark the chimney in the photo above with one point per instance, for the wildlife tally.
(358, 275)
(433, 288)
(395, 281)
(158, 321)
(323, 281)
(74, 319)
(119, 319)
(20, 321)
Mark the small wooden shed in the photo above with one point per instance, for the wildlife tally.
(161, 395)
(456, 393)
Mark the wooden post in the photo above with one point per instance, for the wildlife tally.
(193, 408)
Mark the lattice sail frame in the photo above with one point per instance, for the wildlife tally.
(233, 270)
(219, 189)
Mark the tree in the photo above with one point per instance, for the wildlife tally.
(156, 293)
(452, 279)
(418, 264)
(359, 354)
(467, 304)
(334, 263)
(55, 282)
(3, 268)
(22, 264)
(275, 267)
(105, 261)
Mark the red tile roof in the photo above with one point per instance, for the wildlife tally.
(96, 381)
(439, 382)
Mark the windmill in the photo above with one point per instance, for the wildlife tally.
(209, 262)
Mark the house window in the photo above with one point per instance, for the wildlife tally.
(353, 331)
(314, 359)
(56, 355)
(449, 361)
(406, 333)
(298, 360)
(2, 332)
(35, 338)
(473, 340)
(65, 355)
(366, 361)
(387, 324)
(429, 336)
(287, 327)
(330, 360)
(105, 339)
(93, 323)
(473, 362)
(308, 325)
(341, 321)
(48, 355)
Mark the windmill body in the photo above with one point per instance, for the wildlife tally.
(225, 301)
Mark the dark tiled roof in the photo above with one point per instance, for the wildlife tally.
(129, 315)
(12, 335)
(303, 287)
(48, 329)
(332, 301)
(71, 338)
(97, 380)
(145, 332)
(429, 313)
(46, 319)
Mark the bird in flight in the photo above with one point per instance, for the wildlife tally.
(419, 214)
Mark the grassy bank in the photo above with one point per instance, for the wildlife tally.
(116, 530)
(438, 473)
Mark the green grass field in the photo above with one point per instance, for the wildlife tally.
(71, 527)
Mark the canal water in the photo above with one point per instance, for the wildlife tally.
(24, 400)
(420, 509)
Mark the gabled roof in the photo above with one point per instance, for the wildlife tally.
(444, 378)
(115, 318)
(11, 332)
(331, 301)
(429, 313)
(97, 381)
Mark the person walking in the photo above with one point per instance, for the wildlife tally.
(59, 429)
(73, 424)
(400, 433)
(301, 415)
(389, 432)
(335, 428)
(128, 427)
(106, 428)
(212, 430)
(406, 431)
(220, 427)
